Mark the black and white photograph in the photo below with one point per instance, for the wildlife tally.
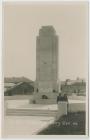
(45, 69)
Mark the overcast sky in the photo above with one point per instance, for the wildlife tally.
(22, 22)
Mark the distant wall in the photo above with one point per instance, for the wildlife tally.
(63, 108)
(76, 107)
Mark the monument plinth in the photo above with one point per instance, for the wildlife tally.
(46, 86)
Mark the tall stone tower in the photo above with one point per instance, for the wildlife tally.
(46, 86)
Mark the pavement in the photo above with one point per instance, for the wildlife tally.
(24, 126)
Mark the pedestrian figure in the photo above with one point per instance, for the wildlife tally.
(59, 97)
(66, 99)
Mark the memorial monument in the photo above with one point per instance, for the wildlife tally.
(46, 84)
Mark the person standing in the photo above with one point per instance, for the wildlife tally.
(66, 100)
(59, 98)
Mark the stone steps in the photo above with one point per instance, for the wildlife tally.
(30, 112)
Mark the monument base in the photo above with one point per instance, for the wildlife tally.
(44, 98)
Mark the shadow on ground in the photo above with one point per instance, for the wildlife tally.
(72, 124)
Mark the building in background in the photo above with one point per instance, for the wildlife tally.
(24, 86)
(77, 86)
(18, 86)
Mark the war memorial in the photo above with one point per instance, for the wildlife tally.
(45, 66)
(42, 110)
(46, 85)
